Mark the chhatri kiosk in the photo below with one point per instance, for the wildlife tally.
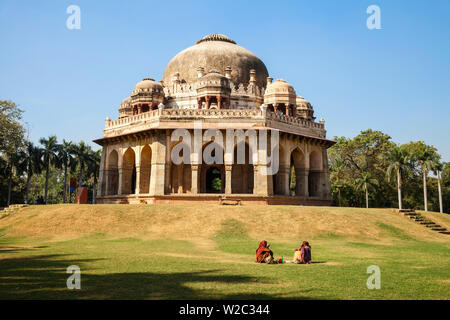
(219, 85)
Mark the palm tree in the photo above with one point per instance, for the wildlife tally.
(81, 156)
(398, 160)
(437, 169)
(364, 182)
(65, 154)
(426, 157)
(93, 167)
(32, 163)
(50, 155)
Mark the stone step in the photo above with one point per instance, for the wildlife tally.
(433, 226)
(438, 229)
(444, 232)
(426, 222)
(406, 210)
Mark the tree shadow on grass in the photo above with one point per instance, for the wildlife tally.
(15, 249)
(44, 277)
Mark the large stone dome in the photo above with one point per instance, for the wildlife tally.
(216, 51)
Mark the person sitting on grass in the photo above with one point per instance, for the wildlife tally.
(264, 254)
(302, 255)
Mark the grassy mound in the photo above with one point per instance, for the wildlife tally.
(198, 251)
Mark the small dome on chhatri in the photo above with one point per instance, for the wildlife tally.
(212, 75)
(280, 86)
(126, 101)
(302, 103)
(147, 85)
(213, 79)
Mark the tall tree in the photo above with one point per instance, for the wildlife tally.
(398, 163)
(93, 168)
(50, 156)
(364, 182)
(11, 130)
(81, 154)
(437, 169)
(15, 167)
(424, 156)
(65, 154)
(32, 162)
(11, 139)
(349, 158)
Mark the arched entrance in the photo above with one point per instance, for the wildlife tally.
(129, 172)
(213, 180)
(297, 173)
(242, 174)
(146, 169)
(112, 181)
(279, 183)
(181, 174)
(213, 173)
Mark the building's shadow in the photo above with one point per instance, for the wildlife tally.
(44, 277)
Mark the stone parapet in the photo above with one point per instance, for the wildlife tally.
(213, 118)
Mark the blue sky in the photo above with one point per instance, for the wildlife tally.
(396, 79)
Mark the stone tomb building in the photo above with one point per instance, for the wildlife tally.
(214, 85)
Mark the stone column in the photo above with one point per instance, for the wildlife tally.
(106, 178)
(119, 189)
(208, 102)
(194, 186)
(137, 190)
(219, 102)
(306, 183)
(287, 110)
(100, 183)
(326, 175)
(101, 178)
(301, 186)
(199, 103)
(275, 106)
(167, 169)
(228, 169)
(157, 177)
(180, 175)
(263, 183)
(283, 173)
(139, 108)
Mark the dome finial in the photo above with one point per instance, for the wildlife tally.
(215, 37)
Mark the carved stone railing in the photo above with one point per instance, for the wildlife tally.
(175, 114)
(293, 120)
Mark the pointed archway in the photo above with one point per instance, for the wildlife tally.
(112, 181)
(129, 172)
(145, 169)
(242, 174)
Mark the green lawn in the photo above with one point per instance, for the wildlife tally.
(221, 266)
